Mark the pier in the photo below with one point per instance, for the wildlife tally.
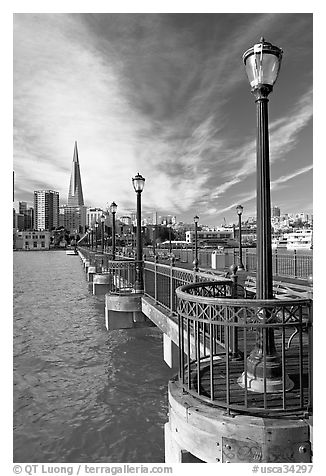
(243, 385)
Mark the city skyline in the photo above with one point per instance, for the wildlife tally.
(165, 95)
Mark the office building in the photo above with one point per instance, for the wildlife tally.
(46, 209)
(75, 194)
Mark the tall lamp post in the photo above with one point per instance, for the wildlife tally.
(92, 238)
(196, 219)
(96, 227)
(239, 212)
(138, 182)
(102, 232)
(154, 240)
(170, 242)
(113, 210)
(264, 368)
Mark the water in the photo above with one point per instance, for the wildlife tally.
(81, 394)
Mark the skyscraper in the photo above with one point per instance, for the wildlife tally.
(75, 195)
(46, 209)
(73, 215)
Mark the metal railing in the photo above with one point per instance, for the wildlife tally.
(161, 282)
(291, 265)
(217, 334)
(121, 271)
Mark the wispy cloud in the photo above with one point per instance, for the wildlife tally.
(147, 93)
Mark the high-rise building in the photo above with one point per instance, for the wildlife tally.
(73, 219)
(75, 194)
(46, 209)
(28, 214)
(276, 211)
(73, 215)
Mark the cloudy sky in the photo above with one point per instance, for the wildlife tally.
(165, 95)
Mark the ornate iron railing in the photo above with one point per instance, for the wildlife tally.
(217, 335)
(161, 282)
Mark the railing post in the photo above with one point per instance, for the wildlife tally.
(295, 263)
(155, 277)
(246, 259)
(172, 263)
(276, 262)
(234, 344)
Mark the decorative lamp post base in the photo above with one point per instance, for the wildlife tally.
(138, 287)
(256, 384)
(261, 372)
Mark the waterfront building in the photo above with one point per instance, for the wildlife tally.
(93, 215)
(220, 237)
(46, 209)
(32, 240)
(126, 220)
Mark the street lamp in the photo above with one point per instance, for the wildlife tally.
(138, 182)
(170, 242)
(196, 218)
(264, 369)
(239, 212)
(102, 232)
(92, 238)
(96, 227)
(154, 240)
(113, 210)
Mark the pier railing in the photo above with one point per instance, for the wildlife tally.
(224, 332)
(290, 265)
(161, 282)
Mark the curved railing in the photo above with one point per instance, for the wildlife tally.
(245, 355)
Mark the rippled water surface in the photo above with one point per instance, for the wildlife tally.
(81, 394)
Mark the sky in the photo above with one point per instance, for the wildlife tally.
(165, 95)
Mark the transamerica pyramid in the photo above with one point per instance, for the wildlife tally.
(75, 195)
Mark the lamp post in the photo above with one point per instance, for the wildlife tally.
(138, 182)
(170, 243)
(264, 368)
(196, 218)
(239, 212)
(102, 232)
(96, 227)
(92, 238)
(113, 210)
(154, 240)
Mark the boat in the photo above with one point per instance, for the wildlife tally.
(280, 243)
(72, 252)
(299, 240)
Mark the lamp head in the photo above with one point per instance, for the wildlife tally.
(262, 62)
(138, 182)
(196, 219)
(113, 207)
(239, 209)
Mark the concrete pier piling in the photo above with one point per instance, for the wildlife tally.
(199, 433)
(124, 311)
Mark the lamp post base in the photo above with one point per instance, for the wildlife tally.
(257, 384)
(138, 287)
